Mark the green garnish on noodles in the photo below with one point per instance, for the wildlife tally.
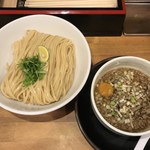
(33, 70)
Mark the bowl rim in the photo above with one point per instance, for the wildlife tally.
(95, 109)
(56, 107)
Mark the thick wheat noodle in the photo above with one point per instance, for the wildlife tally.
(72, 3)
(60, 69)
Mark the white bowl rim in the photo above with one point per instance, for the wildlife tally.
(95, 109)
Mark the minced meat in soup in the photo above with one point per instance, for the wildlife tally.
(123, 98)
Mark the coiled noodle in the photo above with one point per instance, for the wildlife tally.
(59, 69)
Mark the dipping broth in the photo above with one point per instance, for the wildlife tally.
(123, 98)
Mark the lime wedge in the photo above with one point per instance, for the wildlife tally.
(43, 53)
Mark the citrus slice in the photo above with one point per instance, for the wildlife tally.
(43, 53)
(106, 89)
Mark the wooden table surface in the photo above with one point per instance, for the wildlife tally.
(59, 130)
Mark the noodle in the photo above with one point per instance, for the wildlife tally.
(59, 69)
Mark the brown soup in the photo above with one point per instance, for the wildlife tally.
(123, 98)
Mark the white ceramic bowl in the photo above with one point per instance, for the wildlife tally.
(51, 25)
(124, 61)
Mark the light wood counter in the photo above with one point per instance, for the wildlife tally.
(59, 130)
(9, 3)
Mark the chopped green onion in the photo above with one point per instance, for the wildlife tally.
(33, 70)
(133, 100)
(112, 103)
